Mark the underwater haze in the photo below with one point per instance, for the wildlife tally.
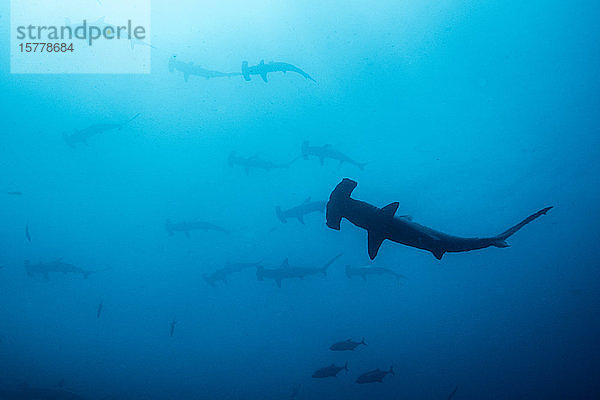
(164, 235)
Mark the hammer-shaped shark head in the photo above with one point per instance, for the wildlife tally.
(340, 194)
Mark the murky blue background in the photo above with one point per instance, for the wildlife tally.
(471, 114)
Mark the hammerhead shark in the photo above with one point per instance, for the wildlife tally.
(327, 151)
(254, 163)
(374, 270)
(186, 227)
(189, 69)
(263, 69)
(83, 135)
(54, 266)
(381, 224)
(300, 211)
(287, 272)
(228, 269)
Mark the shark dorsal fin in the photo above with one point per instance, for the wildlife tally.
(389, 210)
(285, 264)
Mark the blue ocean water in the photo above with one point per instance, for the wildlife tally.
(472, 115)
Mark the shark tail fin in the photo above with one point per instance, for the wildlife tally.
(341, 193)
(363, 342)
(500, 240)
(245, 72)
(280, 214)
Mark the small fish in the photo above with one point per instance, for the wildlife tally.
(14, 193)
(99, 310)
(347, 345)
(330, 371)
(27, 234)
(374, 376)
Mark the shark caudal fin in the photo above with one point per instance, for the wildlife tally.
(340, 194)
(245, 72)
(376, 238)
(280, 215)
(346, 366)
(500, 240)
(391, 371)
(363, 342)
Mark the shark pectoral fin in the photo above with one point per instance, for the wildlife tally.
(301, 219)
(263, 75)
(278, 281)
(375, 241)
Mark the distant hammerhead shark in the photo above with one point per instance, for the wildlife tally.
(255, 163)
(228, 269)
(189, 69)
(83, 135)
(263, 69)
(381, 225)
(54, 266)
(374, 270)
(327, 151)
(300, 211)
(287, 272)
(188, 226)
